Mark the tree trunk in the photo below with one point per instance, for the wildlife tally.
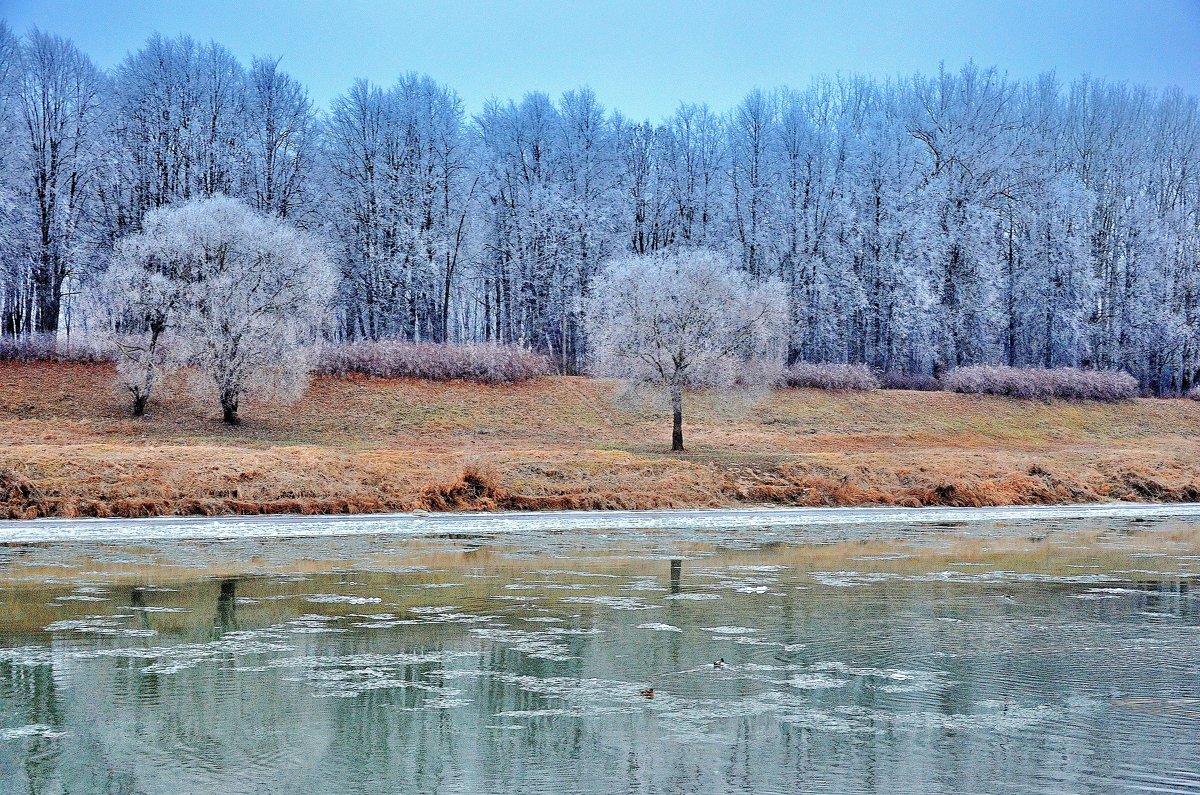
(229, 408)
(49, 300)
(139, 403)
(677, 417)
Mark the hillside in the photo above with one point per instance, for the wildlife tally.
(363, 445)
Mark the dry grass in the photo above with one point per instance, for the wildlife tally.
(352, 444)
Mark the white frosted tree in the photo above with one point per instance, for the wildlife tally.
(143, 288)
(243, 296)
(915, 224)
(282, 136)
(684, 319)
(56, 103)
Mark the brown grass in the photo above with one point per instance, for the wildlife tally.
(67, 448)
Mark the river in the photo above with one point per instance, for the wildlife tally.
(873, 650)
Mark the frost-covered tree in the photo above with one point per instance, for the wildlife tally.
(242, 295)
(55, 103)
(281, 132)
(11, 235)
(915, 224)
(144, 289)
(684, 319)
(177, 124)
(401, 192)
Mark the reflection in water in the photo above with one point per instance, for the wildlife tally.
(944, 663)
(226, 619)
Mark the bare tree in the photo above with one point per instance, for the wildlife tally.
(58, 99)
(244, 296)
(684, 319)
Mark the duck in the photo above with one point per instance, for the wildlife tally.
(648, 692)
(719, 663)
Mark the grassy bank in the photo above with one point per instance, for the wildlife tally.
(362, 445)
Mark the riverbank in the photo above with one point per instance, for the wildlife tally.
(371, 445)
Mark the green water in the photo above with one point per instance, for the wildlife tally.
(1043, 657)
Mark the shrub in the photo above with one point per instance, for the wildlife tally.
(1063, 383)
(489, 364)
(894, 379)
(831, 376)
(1194, 393)
(48, 348)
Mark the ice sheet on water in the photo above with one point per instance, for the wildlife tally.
(541, 645)
(851, 579)
(341, 599)
(816, 681)
(99, 625)
(763, 567)
(660, 627)
(40, 730)
(313, 625)
(28, 656)
(919, 679)
(615, 602)
(686, 524)
(447, 614)
(648, 583)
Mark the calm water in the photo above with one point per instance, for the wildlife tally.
(1021, 656)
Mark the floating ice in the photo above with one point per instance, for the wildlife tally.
(341, 599)
(615, 602)
(32, 730)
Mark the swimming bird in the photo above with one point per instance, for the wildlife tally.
(719, 663)
(648, 692)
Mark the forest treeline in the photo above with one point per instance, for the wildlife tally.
(915, 224)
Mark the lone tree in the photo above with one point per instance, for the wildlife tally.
(240, 295)
(684, 319)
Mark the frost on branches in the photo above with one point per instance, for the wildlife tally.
(239, 296)
(684, 319)
(914, 225)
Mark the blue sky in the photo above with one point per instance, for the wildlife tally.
(643, 58)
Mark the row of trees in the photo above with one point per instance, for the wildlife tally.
(912, 225)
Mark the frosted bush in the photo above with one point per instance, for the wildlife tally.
(917, 382)
(1029, 383)
(483, 363)
(831, 376)
(49, 348)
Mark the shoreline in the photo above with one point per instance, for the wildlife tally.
(351, 446)
(499, 523)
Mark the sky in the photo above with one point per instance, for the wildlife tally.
(644, 58)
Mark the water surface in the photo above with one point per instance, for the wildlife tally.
(1025, 653)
